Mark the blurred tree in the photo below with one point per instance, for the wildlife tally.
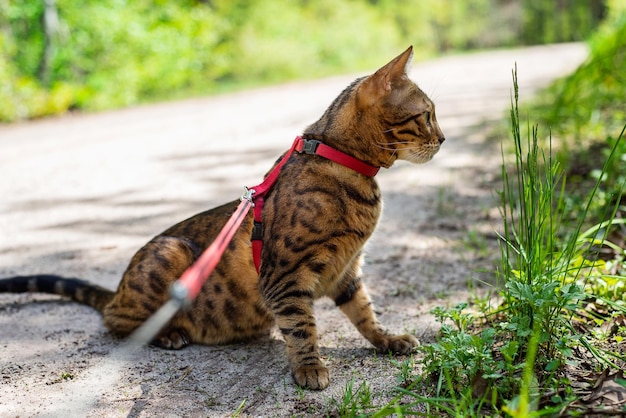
(560, 20)
(50, 25)
(24, 23)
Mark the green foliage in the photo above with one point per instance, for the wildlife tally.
(57, 55)
(354, 402)
(547, 263)
(504, 362)
(589, 104)
(97, 55)
(172, 48)
(28, 36)
(563, 286)
(560, 21)
(586, 111)
(471, 369)
(533, 270)
(301, 44)
(20, 93)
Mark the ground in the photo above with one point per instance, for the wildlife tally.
(81, 193)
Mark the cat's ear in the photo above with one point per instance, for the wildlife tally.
(395, 71)
(392, 74)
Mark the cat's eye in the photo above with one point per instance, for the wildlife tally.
(428, 120)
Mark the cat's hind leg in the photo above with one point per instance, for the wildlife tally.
(145, 288)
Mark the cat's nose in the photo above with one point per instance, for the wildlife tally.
(441, 139)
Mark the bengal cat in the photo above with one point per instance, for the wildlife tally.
(317, 218)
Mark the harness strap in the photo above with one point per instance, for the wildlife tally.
(314, 147)
(306, 146)
(187, 287)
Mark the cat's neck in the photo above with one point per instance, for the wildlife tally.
(354, 144)
(316, 147)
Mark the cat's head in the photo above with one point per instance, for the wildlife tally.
(400, 113)
(382, 118)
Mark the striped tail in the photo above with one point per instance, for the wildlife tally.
(79, 290)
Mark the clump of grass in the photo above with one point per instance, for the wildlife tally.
(534, 268)
(511, 360)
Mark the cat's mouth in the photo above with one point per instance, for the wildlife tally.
(419, 156)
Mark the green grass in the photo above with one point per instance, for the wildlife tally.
(563, 263)
(354, 401)
(562, 290)
(511, 360)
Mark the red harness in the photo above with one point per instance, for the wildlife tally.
(307, 146)
(187, 287)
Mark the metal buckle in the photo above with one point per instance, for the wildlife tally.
(310, 146)
(247, 195)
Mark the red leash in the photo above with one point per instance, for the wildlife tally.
(194, 277)
(187, 287)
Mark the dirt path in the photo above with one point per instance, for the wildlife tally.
(81, 193)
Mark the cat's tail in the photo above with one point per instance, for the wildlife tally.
(77, 289)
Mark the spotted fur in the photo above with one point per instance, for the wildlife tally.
(317, 218)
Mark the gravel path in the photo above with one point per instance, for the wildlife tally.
(81, 193)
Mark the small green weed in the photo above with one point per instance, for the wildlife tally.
(239, 409)
(407, 375)
(354, 402)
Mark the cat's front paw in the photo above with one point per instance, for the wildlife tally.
(312, 377)
(398, 344)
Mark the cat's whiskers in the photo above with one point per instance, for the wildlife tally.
(385, 148)
(392, 146)
(421, 155)
(392, 157)
(415, 153)
(389, 146)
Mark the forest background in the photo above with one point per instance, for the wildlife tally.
(89, 55)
